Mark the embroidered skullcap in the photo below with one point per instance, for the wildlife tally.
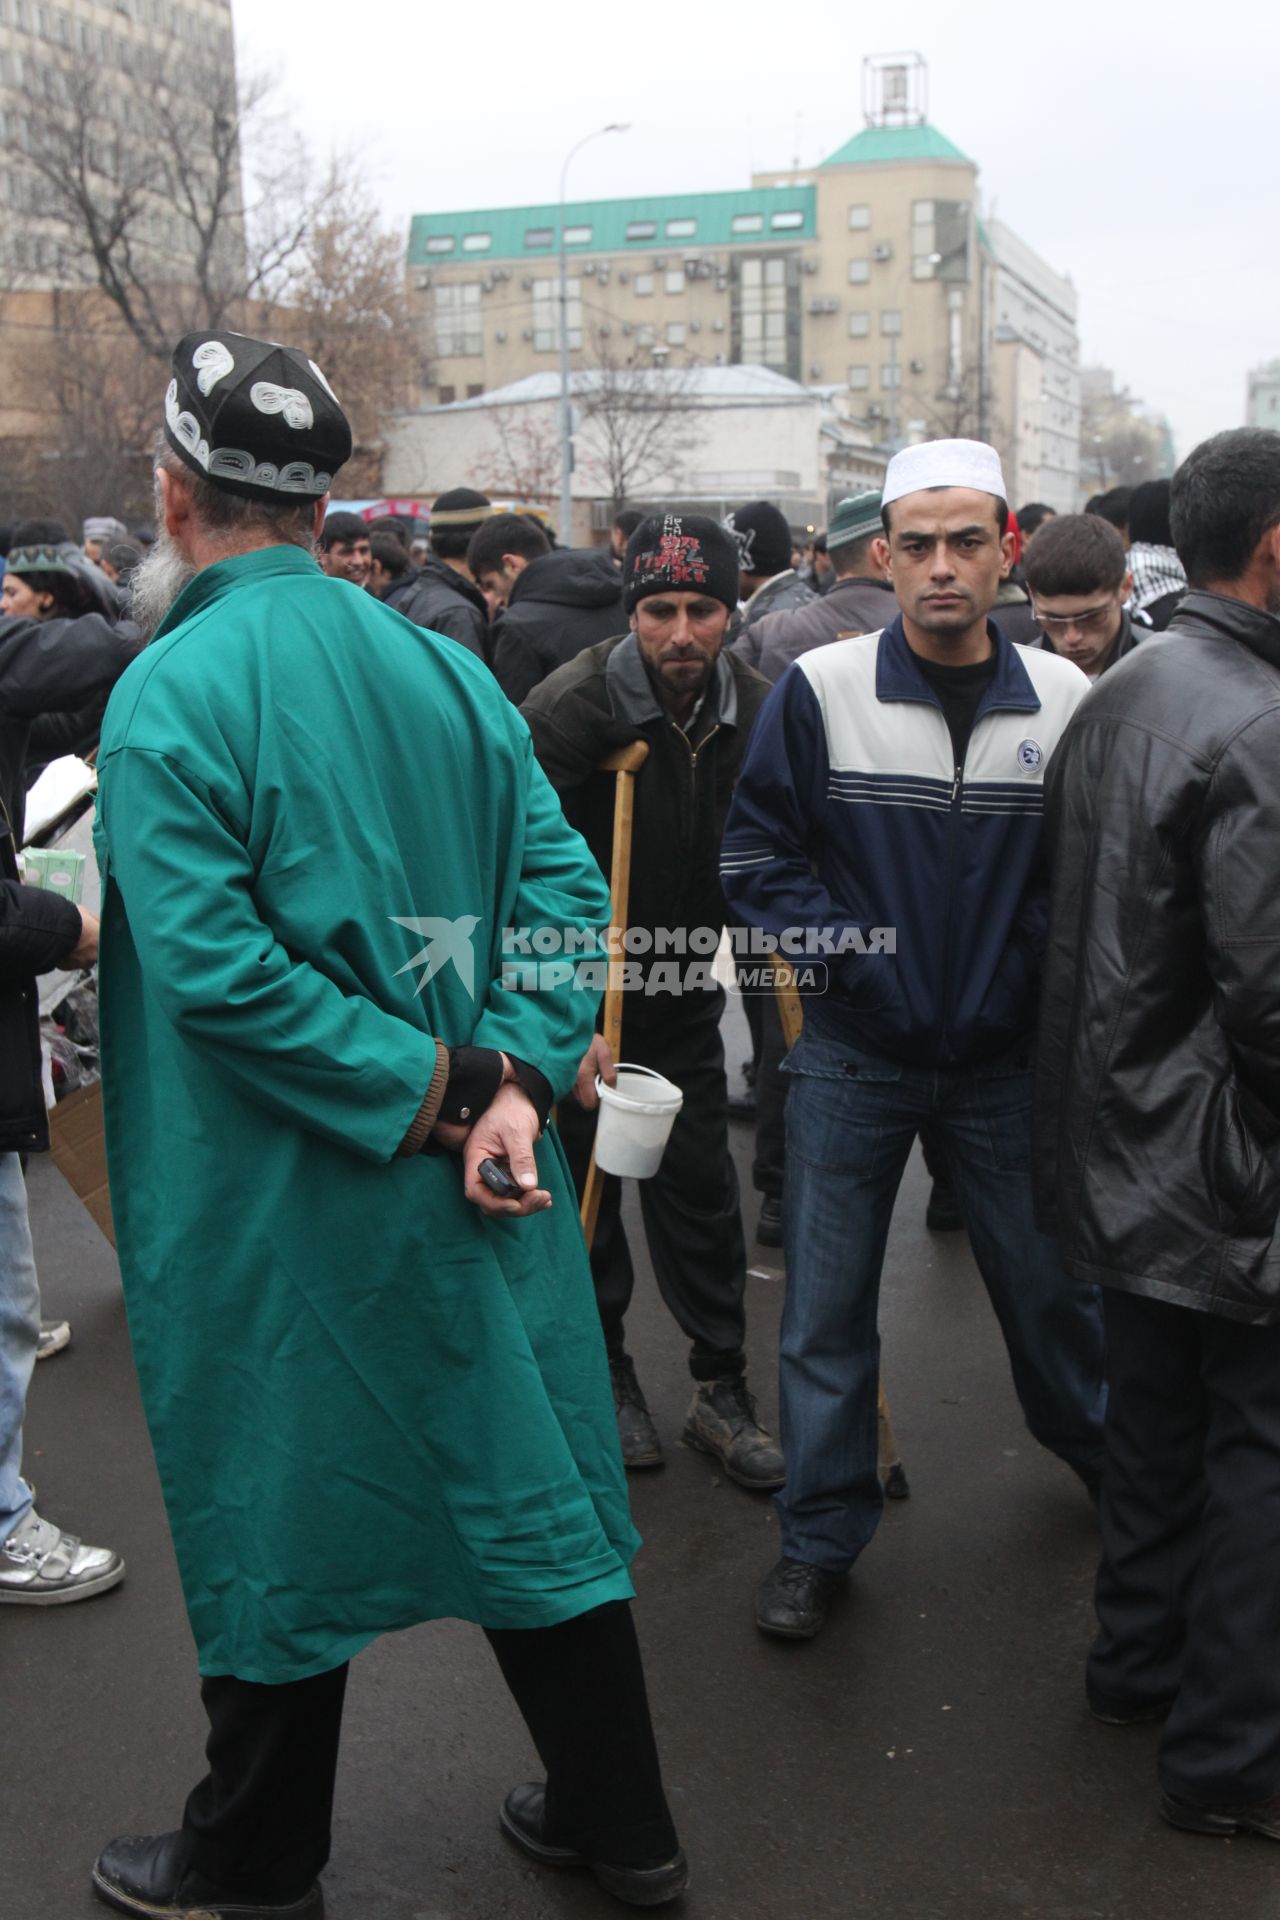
(254, 418)
(944, 463)
(680, 553)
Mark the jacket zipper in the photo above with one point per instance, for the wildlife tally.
(693, 753)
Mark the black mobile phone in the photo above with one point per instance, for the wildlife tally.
(499, 1180)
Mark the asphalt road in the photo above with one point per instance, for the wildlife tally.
(929, 1756)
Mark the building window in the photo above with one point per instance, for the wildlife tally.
(577, 236)
(539, 237)
(645, 336)
(475, 389)
(440, 243)
(476, 242)
(457, 319)
(859, 272)
(860, 378)
(940, 240)
(891, 320)
(747, 223)
(642, 229)
(859, 219)
(766, 313)
(891, 375)
(859, 323)
(446, 395)
(643, 284)
(675, 333)
(546, 314)
(681, 229)
(674, 280)
(786, 222)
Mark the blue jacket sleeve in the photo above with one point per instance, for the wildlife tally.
(772, 859)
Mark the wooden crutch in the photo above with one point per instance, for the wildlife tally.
(625, 764)
(791, 1014)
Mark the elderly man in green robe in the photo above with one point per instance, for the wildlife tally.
(376, 1388)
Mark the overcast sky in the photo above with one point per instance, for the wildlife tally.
(1133, 145)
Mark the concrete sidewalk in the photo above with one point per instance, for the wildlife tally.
(929, 1756)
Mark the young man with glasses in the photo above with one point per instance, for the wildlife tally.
(1079, 582)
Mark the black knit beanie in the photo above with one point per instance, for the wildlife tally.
(763, 537)
(680, 553)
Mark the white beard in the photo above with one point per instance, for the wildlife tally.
(157, 582)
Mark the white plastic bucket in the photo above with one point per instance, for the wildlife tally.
(636, 1118)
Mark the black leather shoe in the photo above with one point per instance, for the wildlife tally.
(148, 1874)
(521, 1819)
(1254, 1816)
(637, 1435)
(793, 1599)
(769, 1225)
(1127, 1713)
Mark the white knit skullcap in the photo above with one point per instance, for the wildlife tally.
(944, 463)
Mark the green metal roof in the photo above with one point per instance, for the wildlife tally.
(885, 145)
(719, 220)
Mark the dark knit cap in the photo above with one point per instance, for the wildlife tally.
(680, 553)
(254, 418)
(460, 507)
(763, 537)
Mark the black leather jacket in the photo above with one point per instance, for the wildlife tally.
(1158, 1092)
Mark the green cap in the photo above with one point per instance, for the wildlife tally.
(854, 519)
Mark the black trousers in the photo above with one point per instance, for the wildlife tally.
(1188, 1593)
(258, 1825)
(690, 1209)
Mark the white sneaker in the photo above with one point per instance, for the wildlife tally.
(54, 1336)
(43, 1567)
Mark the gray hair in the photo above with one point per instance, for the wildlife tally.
(290, 523)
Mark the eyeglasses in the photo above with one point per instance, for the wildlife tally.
(1088, 620)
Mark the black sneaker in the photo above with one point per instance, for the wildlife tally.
(521, 1819)
(769, 1225)
(793, 1598)
(1128, 1713)
(722, 1420)
(637, 1434)
(148, 1874)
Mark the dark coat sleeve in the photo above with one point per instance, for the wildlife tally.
(1240, 905)
(37, 930)
(516, 666)
(56, 666)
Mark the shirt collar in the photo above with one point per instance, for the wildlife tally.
(898, 676)
(632, 697)
(241, 569)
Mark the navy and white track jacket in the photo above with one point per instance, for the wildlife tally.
(850, 815)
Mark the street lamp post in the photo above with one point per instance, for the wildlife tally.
(566, 410)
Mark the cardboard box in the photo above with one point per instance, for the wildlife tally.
(56, 869)
(78, 1143)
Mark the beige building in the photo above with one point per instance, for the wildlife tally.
(872, 273)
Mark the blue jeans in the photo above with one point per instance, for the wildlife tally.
(851, 1122)
(19, 1332)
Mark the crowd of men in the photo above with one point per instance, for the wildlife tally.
(1008, 781)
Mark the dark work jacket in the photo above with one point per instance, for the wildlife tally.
(603, 700)
(854, 605)
(50, 671)
(447, 602)
(1158, 1090)
(562, 602)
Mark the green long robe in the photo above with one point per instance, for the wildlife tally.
(370, 1405)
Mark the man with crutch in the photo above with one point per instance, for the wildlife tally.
(669, 684)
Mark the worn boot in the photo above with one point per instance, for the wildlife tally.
(637, 1434)
(722, 1421)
